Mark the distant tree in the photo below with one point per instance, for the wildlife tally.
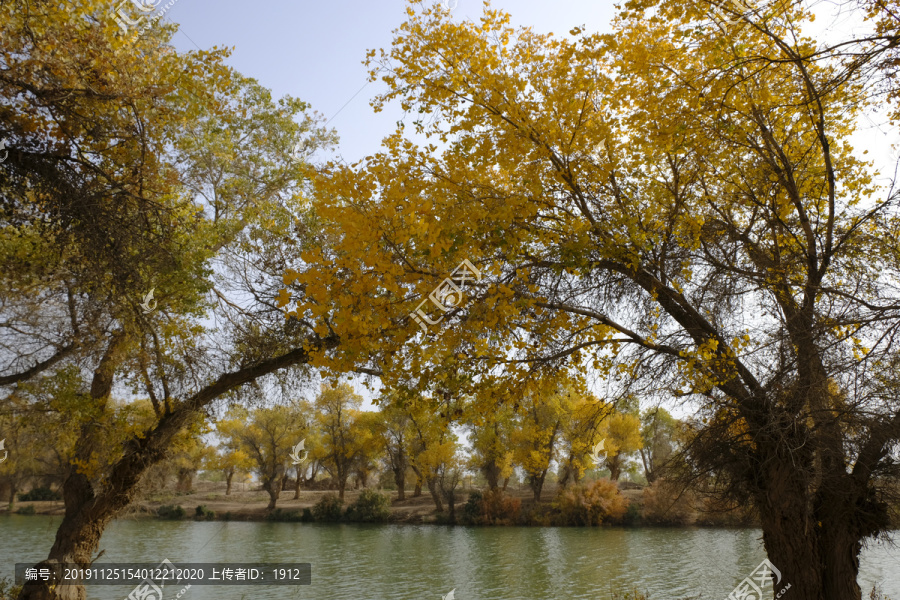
(659, 431)
(539, 426)
(581, 431)
(622, 433)
(337, 413)
(267, 435)
(394, 429)
(490, 436)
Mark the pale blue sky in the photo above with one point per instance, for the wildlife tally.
(314, 50)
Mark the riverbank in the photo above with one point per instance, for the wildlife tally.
(209, 501)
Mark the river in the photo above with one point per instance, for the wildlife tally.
(413, 562)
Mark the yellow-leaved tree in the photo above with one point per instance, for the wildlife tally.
(676, 203)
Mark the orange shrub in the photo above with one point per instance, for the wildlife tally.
(491, 508)
(589, 504)
(665, 504)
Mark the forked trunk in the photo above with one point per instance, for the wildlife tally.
(435, 493)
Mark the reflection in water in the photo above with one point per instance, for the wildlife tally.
(353, 562)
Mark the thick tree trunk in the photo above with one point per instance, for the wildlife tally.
(435, 494)
(297, 485)
(615, 469)
(505, 483)
(185, 480)
(400, 480)
(342, 485)
(12, 497)
(273, 489)
(537, 485)
(229, 475)
(491, 472)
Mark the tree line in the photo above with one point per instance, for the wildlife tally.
(402, 439)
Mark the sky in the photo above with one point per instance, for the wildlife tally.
(315, 50)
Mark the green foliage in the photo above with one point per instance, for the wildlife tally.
(589, 504)
(370, 507)
(201, 513)
(169, 511)
(40, 493)
(286, 516)
(328, 509)
(26, 510)
(633, 514)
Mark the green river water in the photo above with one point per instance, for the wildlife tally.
(412, 562)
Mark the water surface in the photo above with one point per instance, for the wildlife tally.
(413, 562)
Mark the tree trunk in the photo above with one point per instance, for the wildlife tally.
(435, 494)
(229, 475)
(185, 480)
(12, 497)
(273, 490)
(537, 484)
(297, 485)
(418, 489)
(491, 472)
(342, 485)
(505, 483)
(451, 504)
(615, 469)
(400, 480)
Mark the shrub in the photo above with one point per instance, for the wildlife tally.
(720, 513)
(285, 516)
(328, 509)
(169, 511)
(307, 516)
(665, 504)
(201, 513)
(589, 504)
(370, 507)
(26, 510)
(491, 508)
(40, 493)
(633, 514)
(471, 510)
(8, 589)
(227, 516)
